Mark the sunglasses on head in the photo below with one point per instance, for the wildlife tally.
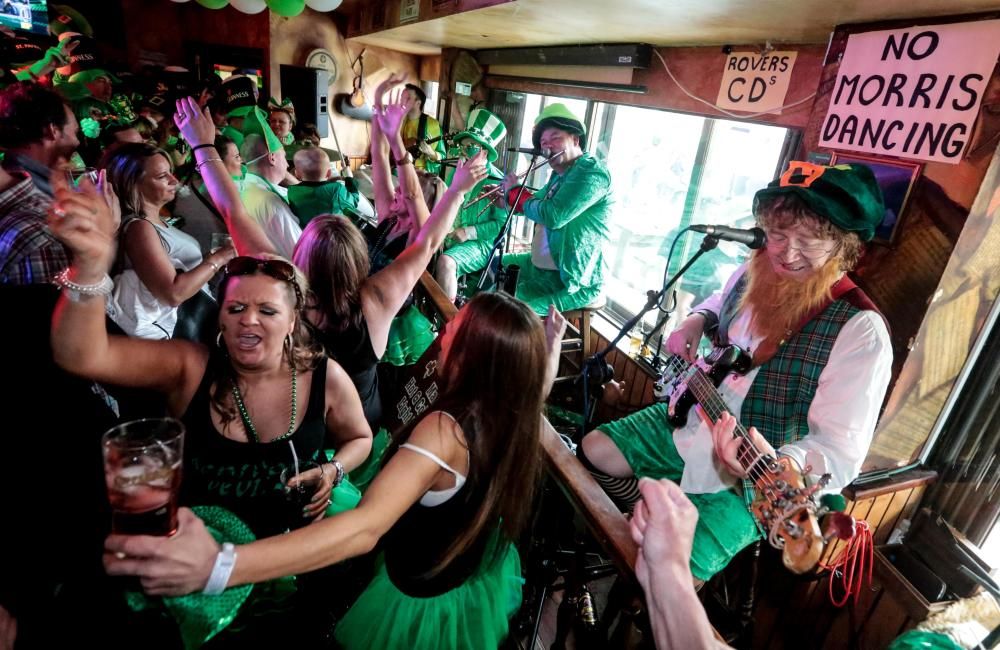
(277, 269)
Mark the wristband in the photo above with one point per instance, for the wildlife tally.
(225, 561)
(339, 478)
(202, 146)
(407, 159)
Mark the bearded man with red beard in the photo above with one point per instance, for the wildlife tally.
(821, 364)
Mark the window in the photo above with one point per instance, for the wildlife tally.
(669, 171)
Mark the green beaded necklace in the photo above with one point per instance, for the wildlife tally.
(245, 415)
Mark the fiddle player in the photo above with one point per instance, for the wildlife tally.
(821, 363)
(571, 213)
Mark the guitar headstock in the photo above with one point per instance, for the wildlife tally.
(789, 514)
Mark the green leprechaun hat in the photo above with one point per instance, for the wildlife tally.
(255, 123)
(560, 117)
(847, 195)
(485, 128)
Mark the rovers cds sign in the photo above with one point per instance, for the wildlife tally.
(913, 92)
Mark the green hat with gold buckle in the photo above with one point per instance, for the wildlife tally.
(848, 196)
(485, 128)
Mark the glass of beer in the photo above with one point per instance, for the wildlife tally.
(220, 240)
(299, 495)
(142, 471)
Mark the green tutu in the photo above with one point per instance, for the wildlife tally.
(410, 334)
(725, 526)
(362, 475)
(472, 616)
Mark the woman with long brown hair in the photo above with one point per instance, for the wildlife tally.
(454, 490)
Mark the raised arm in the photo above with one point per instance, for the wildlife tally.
(198, 130)
(381, 177)
(80, 341)
(385, 292)
(391, 119)
(182, 564)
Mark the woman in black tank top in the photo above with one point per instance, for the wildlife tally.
(450, 576)
(352, 310)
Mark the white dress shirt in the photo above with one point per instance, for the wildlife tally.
(841, 417)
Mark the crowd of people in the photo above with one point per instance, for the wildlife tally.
(179, 247)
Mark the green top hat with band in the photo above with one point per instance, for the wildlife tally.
(846, 195)
(560, 117)
(485, 128)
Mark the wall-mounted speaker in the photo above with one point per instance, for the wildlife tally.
(309, 90)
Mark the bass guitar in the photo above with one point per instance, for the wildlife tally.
(784, 508)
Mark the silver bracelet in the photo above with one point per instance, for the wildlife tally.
(225, 562)
(199, 165)
(78, 292)
(215, 267)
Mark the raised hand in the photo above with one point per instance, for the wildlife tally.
(392, 115)
(469, 173)
(194, 123)
(394, 80)
(663, 526)
(83, 221)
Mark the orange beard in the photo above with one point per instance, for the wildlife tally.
(779, 304)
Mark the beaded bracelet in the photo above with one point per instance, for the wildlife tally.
(77, 292)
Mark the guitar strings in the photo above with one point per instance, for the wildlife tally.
(704, 390)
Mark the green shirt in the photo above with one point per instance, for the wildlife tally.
(310, 199)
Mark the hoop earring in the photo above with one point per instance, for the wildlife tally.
(288, 343)
(218, 341)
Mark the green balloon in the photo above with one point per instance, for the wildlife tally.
(286, 8)
(213, 4)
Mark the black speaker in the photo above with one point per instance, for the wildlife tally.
(308, 88)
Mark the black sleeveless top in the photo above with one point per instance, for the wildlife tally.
(244, 477)
(420, 538)
(352, 349)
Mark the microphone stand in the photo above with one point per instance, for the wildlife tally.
(596, 361)
(501, 239)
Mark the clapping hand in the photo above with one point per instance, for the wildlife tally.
(394, 80)
(391, 115)
(84, 222)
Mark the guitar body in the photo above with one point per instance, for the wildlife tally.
(672, 384)
(783, 506)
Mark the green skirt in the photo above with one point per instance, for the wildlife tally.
(725, 526)
(472, 616)
(410, 334)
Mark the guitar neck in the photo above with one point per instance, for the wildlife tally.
(714, 406)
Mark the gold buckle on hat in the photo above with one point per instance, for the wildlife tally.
(801, 174)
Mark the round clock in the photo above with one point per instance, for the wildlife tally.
(323, 60)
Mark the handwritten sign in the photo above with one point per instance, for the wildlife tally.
(913, 92)
(755, 82)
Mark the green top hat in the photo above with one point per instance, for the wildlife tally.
(846, 195)
(63, 18)
(485, 128)
(560, 117)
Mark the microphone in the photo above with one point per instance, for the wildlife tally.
(527, 150)
(752, 238)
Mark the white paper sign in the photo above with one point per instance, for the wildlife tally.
(913, 92)
(409, 10)
(755, 82)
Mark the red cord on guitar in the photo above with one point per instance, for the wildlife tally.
(857, 558)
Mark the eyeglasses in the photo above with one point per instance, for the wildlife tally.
(277, 269)
(470, 150)
(778, 242)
